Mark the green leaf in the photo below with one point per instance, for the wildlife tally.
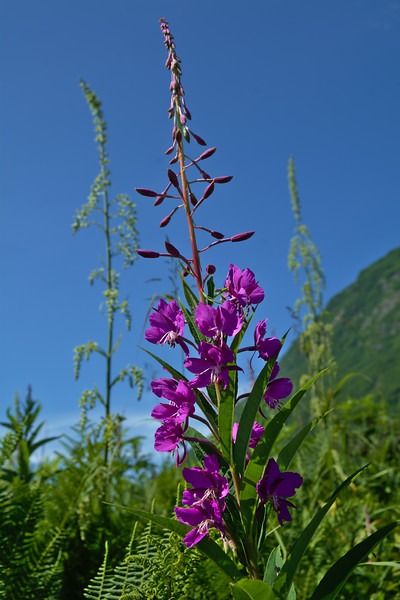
(287, 453)
(261, 454)
(298, 550)
(190, 296)
(205, 406)
(207, 546)
(252, 589)
(274, 565)
(248, 416)
(336, 577)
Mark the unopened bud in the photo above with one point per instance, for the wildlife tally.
(148, 253)
(169, 150)
(241, 237)
(146, 192)
(193, 199)
(223, 179)
(206, 154)
(173, 160)
(210, 269)
(217, 234)
(208, 191)
(198, 139)
(173, 178)
(171, 249)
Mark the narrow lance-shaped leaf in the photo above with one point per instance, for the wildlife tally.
(298, 550)
(249, 414)
(336, 577)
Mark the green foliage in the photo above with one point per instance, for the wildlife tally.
(31, 559)
(365, 318)
(22, 440)
(315, 340)
(156, 566)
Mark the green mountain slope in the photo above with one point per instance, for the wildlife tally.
(366, 319)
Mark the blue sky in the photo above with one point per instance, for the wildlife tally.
(316, 80)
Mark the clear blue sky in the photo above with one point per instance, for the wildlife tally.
(317, 80)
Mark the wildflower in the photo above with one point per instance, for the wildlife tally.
(243, 287)
(206, 483)
(182, 401)
(276, 486)
(212, 366)
(169, 437)
(202, 517)
(216, 322)
(267, 347)
(256, 433)
(277, 389)
(167, 325)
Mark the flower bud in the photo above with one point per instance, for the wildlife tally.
(148, 253)
(208, 191)
(167, 219)
(146, 192)
(169, 150)
(206, 154)
(193, 198)
(210, 269)
(241, 237)
(198, 139)
(217, 235)
(173, 160)
(171, 249)
(223, 179)
(173, 178)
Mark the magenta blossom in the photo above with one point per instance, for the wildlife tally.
(257, 432)
(167, 325)
(202, 518)
(206, 483)
(276, 486)
(243, 287)
(267, 347)
(182, 401)
(212, 366)
(277, 389)
(169, 437)
(216, 322)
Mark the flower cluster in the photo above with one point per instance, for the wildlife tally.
(211, 366)
(210, 331)
(205, 502)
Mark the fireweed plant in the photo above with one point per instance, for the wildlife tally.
(233, 498)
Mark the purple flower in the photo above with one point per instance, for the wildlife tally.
(182, 401)
(206, 483)
(256, 433)
(168, 437)
(275, 486)
(216, 322)
(202, 517)
(277, 389)
(167, 325)
(205, 501)
(266, 347)
(243, 287)
(212, 366)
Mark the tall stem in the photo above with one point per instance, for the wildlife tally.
(110, 315)
(196, 266)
